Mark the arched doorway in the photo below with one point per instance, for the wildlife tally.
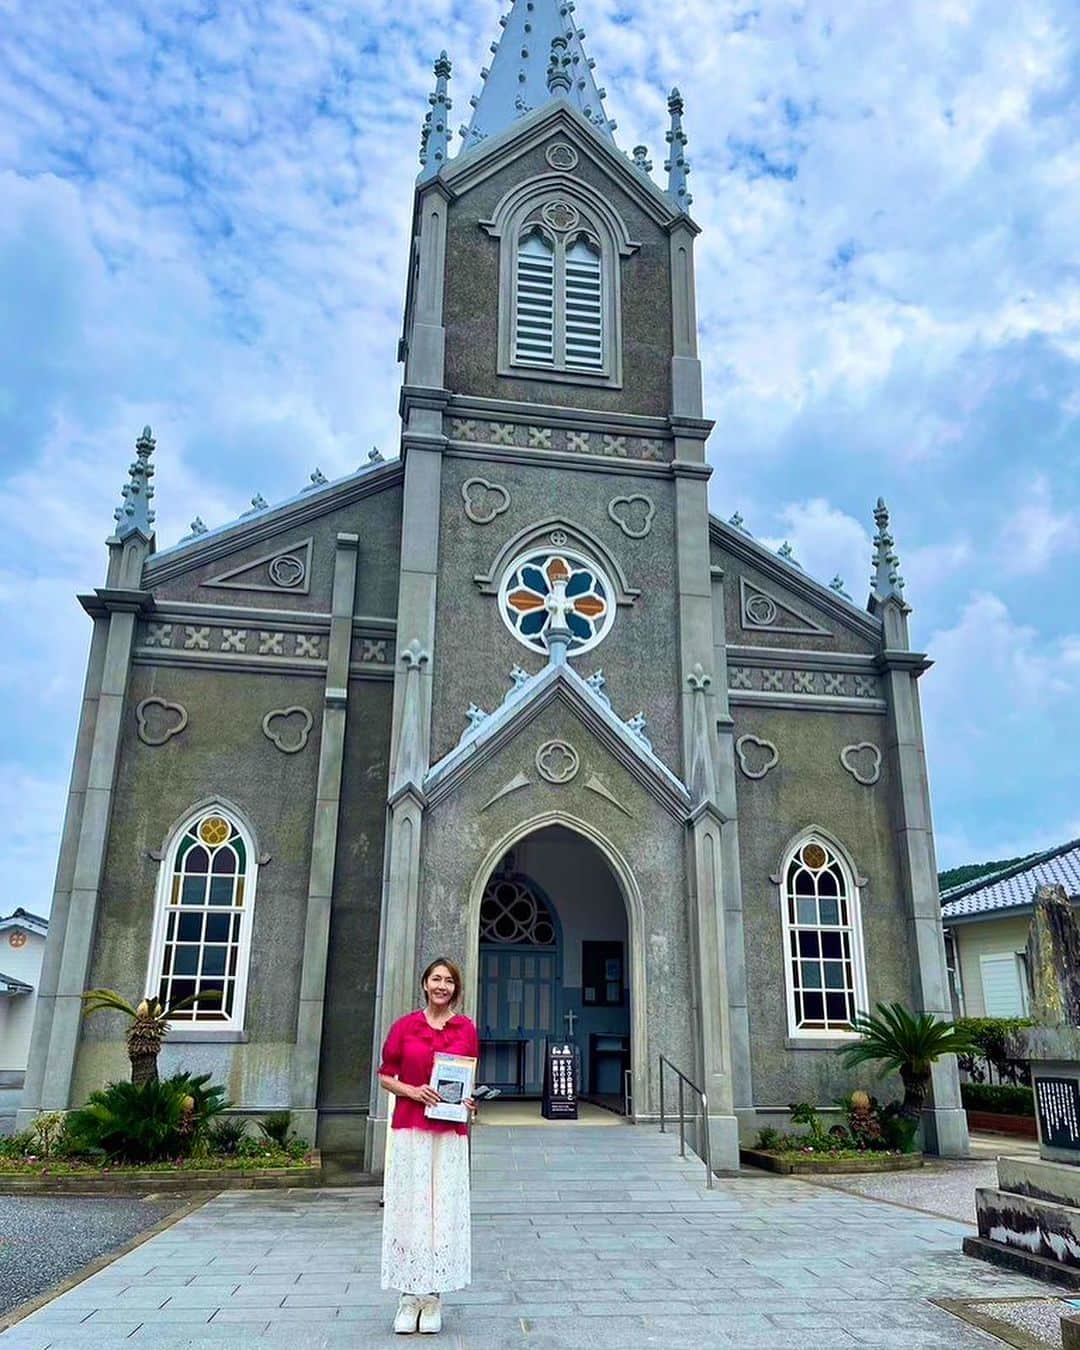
(554, 963)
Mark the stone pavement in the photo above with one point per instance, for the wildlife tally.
(583, 1238)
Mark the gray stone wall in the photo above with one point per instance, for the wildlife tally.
(472, 291)
(838, 637)
(222, 751)
(462, 833)
(377, 520)
(474, 650)
(354, 924)
(809, 786)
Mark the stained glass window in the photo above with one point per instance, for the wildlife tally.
(203, 930)
(512, 913)
(539, 585)
(823, 948)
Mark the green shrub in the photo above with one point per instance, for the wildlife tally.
(224, 1136)
(1003, 1098)
(147, 1123)
(276, 1127)
(17, 1145)
(803, 1113)
(767, 1138)
(989, 1036)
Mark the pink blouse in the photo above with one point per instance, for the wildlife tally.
(409, 1055)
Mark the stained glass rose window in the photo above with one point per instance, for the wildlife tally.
(540, 584)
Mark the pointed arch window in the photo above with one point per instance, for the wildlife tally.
(559, 310)
(824, 962)
(202, 926)
(559, 294)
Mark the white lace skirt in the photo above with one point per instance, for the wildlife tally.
(427, 1237)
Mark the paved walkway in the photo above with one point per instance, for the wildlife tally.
(591, 1238)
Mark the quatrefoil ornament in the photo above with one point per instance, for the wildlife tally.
(557, 762)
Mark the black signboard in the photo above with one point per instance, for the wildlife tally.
(1057, 1101)
(562, 1073)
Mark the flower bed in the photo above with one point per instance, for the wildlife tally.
(804, 1162)
(270, 1168)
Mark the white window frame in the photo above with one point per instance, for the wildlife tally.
(162, 908)
(521, 209)
(572, 555)
(854, 883)
(1017, 961)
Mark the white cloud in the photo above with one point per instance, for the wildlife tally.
(206, 227)
(1036, 534)
(1002, 709)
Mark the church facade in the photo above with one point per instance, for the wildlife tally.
(514, 697)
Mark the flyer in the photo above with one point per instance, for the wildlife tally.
(454, 1078)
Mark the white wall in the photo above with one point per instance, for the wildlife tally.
(986, 937)
(17, 1012)
(575, 877)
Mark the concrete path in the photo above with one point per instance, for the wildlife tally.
(593, 1238)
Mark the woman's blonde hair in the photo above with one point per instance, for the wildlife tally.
(455, 975)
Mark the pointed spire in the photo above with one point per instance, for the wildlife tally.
(133, 515)
(539, 56)
(886, 582)
(677, 165)
(435, 137)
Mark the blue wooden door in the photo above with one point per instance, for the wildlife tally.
(518, 1002)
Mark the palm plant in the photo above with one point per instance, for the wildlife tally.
(149, 1025)
(911, 1043)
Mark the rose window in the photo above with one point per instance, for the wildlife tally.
(541, 586)
(511, 912)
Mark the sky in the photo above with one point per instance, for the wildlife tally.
(204, 215)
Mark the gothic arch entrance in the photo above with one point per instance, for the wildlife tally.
(554, 961)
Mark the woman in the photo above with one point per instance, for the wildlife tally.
(427, 1242)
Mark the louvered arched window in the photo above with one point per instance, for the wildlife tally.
(562, 247)
(559, 316)
(202, 927)
(824, 963)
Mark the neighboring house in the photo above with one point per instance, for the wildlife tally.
(986, 925)
(22, 945)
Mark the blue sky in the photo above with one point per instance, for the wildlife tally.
(204, 212)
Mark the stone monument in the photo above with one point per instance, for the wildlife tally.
(1031, 1221)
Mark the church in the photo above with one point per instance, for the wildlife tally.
(513, 697)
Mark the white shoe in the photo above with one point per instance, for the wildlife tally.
(431, 1313)
(408, 1311)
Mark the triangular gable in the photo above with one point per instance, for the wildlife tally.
(524, 703)
(794, 580)
(762, 611)
(270, 523)
(465, 172)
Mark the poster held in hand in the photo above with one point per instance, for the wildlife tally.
(454, 1078)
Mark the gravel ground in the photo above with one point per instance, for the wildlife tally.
(946, 1188)
(43, 1240)
(1039, 1317)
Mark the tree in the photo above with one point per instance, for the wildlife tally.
(910, 1043)
(149, 1025)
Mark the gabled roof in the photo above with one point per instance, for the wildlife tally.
(1013, 887)
(528, 697)
(539, 56)
(264, 521)
(792, 576)
(23, 918)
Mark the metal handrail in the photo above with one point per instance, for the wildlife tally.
(706, 1142)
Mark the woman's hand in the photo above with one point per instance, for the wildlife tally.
(470, 1104)
(426, 1095)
